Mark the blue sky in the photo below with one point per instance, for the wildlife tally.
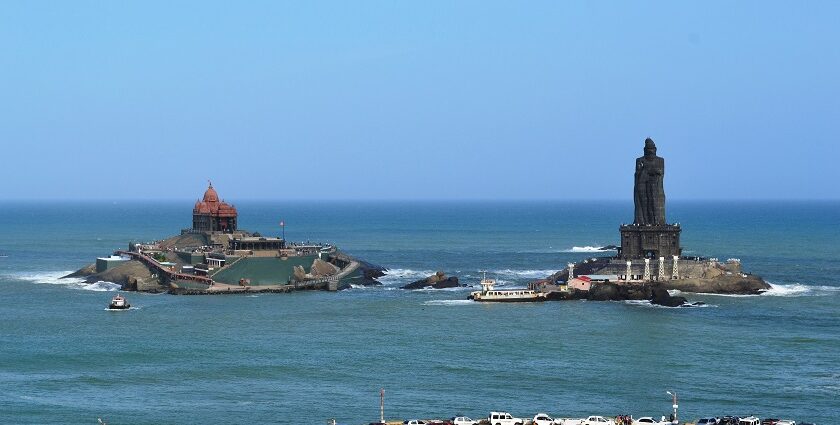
(417, 100)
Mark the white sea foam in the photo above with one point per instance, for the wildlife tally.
(587, 248)
(449, 303)
(402, 276)
(455, 289)
(521, 274)
(124, 309)
(99, 286)
(780, 290)
(798, 289)
(54, 278)
(646, 303)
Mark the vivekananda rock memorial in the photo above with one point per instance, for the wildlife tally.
(215, 256)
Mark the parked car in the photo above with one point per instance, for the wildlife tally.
(414, 422)
(503, 418)
(542, 419)
(749, 420)
(728, 420)
(462, 420)
(567, 421)
(708, 421)
(597, 420)
(647, 420)
(785, 422)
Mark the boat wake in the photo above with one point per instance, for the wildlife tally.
(54, 278)
(449, 303)
(124, 309)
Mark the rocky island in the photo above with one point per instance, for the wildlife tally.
(214, 256)
(649, 262)
(438, 280)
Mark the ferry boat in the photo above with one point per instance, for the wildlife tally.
(488, 293)
(119, 303)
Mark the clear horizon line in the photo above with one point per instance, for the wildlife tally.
(188, 200)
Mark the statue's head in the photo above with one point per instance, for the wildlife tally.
(650, 147)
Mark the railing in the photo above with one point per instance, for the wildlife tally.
(160, 268)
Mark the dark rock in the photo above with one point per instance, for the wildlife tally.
(605, 292)
(661, 297)
(435, 281)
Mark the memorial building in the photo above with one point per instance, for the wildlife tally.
(213, 215)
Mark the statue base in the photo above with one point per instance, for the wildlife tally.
(649, 241)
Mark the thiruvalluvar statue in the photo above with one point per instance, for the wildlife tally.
(648, 191)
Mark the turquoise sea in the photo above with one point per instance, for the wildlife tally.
(308, 357)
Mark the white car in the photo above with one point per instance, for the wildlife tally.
(786, 422)
(414, 422)
(749, 420)
(647, 420)
(504, 418)
(708, 421)
(567, 421)
(542, 419)
(463, 420)
(597, 420)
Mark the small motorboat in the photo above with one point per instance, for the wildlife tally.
(119, 303)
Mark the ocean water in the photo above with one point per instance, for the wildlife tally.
(308, 357)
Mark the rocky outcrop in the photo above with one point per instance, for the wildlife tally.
(721, 284)
(660, 296)
(654, 293)
(438, 280)
(83, 272)
(321, 268)
(614, 292)
(299, 273)
(131, 275)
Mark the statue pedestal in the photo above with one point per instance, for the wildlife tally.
(654, 241)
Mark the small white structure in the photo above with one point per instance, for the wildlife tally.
(675, 274)
(629, 270)
(647, 270)
(571, 271)
(660, 275)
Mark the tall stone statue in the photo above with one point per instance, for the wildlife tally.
(648, 191)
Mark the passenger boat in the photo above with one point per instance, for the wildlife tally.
(488, 293)
(119, 303)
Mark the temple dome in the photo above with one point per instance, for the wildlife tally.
(210, 195)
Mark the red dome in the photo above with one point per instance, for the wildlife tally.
(210, 195)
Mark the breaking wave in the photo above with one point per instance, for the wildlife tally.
(798, 290)
(646, 303)
(780, 290)
(403, 276)
(521, 274)
(588, 249)
(54, 278)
